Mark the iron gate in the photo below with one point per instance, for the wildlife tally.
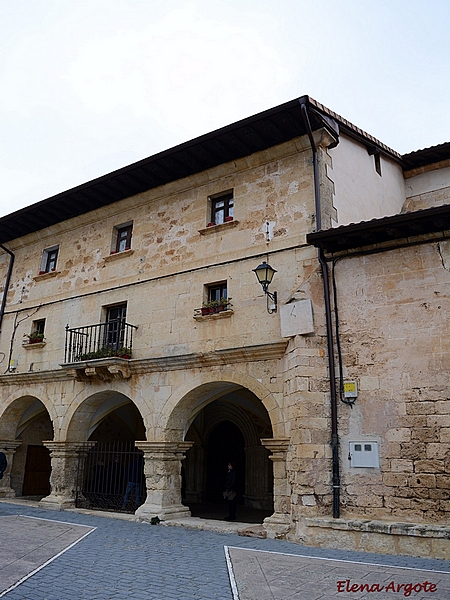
(110, 476)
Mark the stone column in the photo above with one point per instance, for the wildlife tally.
(65, 460)
(9, 448)
(278, 525)
(163, 479)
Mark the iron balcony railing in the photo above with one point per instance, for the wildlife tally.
(104, 340)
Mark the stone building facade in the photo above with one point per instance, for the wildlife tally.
(113, 276)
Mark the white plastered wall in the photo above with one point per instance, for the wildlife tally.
(428, 189)
(361, 193)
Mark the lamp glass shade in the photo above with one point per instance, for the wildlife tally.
(264, 274)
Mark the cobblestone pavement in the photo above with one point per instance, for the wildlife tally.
(122, 559)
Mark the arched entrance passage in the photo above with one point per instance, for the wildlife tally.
(229, 428)
(225, 444)
(101, 447)
(25, 424)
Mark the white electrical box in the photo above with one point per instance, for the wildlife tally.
(364, 454)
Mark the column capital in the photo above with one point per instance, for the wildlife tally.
(63, 448)
(159, 448)
(10, 445)
(278, 447)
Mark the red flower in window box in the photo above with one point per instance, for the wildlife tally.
(227, 219)
(113, 252)
(127, 248)
(41, 272)
(211, 224)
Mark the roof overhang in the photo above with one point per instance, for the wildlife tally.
(243, 138)
(426, 156)
(379, 231)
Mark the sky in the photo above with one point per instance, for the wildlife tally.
(90, 86)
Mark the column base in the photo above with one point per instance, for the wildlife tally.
(57, 502)
(147, 512)
(277, 526)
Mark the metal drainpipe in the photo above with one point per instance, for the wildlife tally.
(330, 346)
(8, 279)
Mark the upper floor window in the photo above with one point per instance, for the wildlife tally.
(122, 237)
(36, 335)
(222, 207)
(49, 258)
(215, 300)
(217, 292)
(377, 159)
(115, 325)
(39, 326)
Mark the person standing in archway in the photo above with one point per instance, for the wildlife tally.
(230, 492)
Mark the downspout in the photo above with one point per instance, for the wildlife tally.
(329, 325)
(7, 282)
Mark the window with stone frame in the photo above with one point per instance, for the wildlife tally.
(115, 317)
(122, 237)
(217, 292)
(39, 326)
(49, 259)
(222, 207)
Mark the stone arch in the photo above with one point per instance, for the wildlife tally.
(200, 390)
(25, 424)
(27, 404)
(81, 438)
(230, 401)
(86, 413)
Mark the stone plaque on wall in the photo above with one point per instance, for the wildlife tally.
(297, 318)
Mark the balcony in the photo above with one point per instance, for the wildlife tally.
(99, 351)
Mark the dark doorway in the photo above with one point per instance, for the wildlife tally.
(226, 443)
(36, 481)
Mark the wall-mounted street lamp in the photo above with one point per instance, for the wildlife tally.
(264, 274)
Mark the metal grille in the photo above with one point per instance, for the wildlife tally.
(110, 476)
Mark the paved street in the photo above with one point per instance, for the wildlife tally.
(75, 556)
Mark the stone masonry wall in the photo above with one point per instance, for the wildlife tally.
(173, 256)
(394, 312)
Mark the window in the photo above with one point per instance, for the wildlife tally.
(377, 159)
(222, 208)
(115, 325)
(39, 326)
(217, 292)
(37, 333)
(49, 258)
(215, 300)
(375, 152)
(122, 238)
